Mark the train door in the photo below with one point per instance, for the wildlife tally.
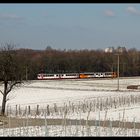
(61, 76)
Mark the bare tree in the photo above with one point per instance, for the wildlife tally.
(11, 71)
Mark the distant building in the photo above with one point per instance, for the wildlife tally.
(118, 49)
(109, 50)
(121, 49)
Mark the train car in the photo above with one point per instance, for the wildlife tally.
(98, 75)
(69, 76)
(43, 76)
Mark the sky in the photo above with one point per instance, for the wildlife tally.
(70, 26)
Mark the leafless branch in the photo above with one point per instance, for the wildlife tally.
(12, 85)
(1, 92)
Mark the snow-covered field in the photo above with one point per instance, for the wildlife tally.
(71, 130)
(52, 91)
(100, 98)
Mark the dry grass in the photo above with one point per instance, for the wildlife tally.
(18, 122)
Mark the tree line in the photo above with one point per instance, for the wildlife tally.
(69, 61)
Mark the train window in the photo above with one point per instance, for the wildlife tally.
(70, 74)
(49, 75)
(107, 73)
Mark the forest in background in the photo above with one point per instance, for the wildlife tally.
(69, 61)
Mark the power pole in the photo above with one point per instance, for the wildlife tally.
(118, 70)
(26, 73)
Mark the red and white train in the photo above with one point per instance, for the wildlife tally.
(44, 76)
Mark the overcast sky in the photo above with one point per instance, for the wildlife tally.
(70, 26)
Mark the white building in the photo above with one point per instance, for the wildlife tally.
(118, 49)
(109, 50)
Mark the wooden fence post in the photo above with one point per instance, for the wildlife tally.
(55, 108)
(16, 110)
(37, 110)
(48, 110)
(29, 110)
(19, 109)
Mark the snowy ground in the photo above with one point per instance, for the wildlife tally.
(72, 131)
(48, 92)
(63, 90)
(60, 91)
